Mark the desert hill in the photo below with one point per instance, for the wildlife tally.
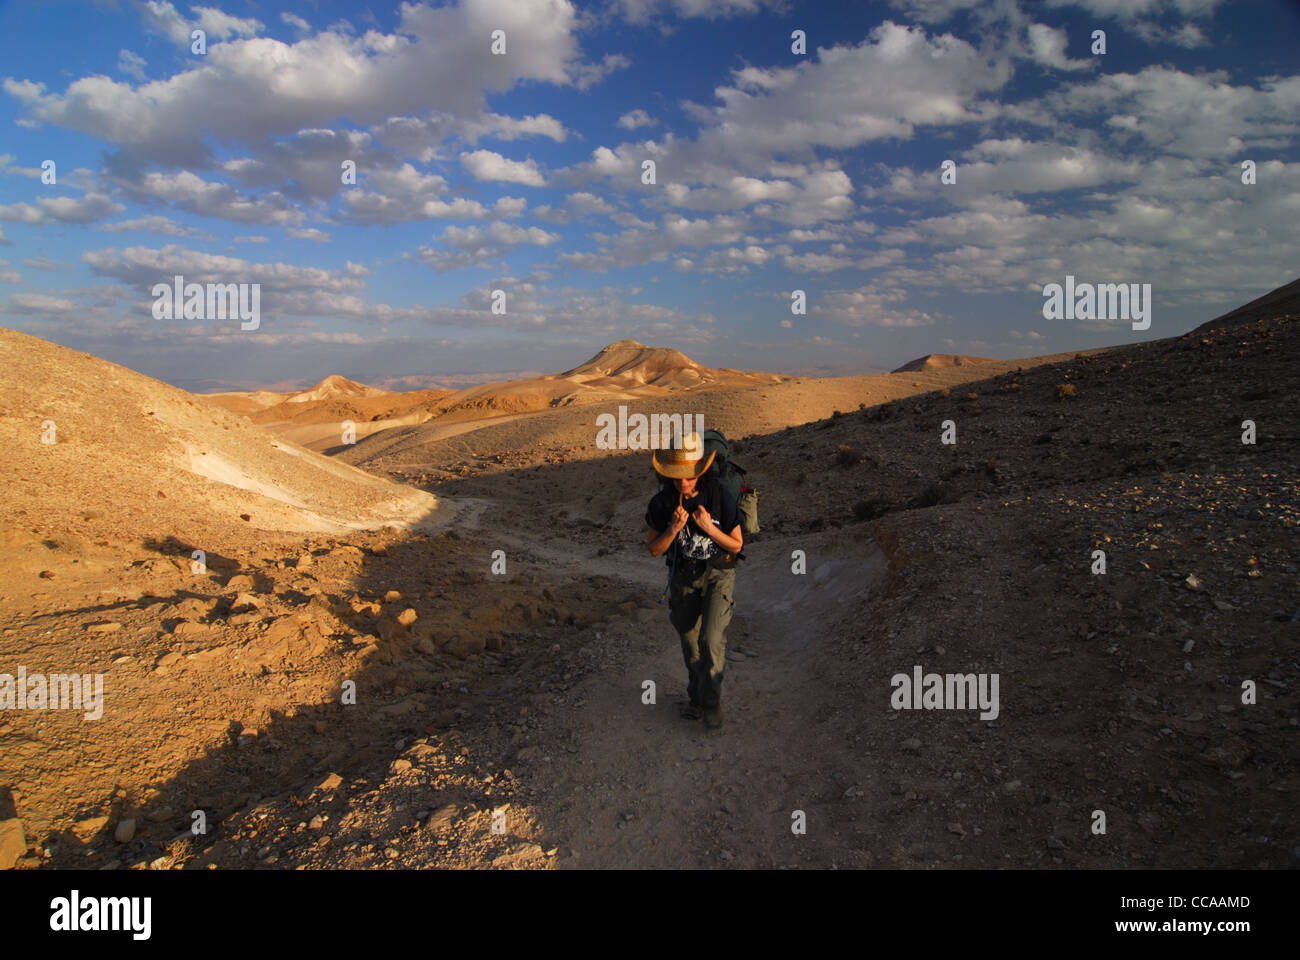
(1282, 302)
(333, 387)
(624, 370)
(939, 361)
(629, 366)
(147, 457)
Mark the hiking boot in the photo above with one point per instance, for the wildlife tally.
(692, 711)
(713, 717)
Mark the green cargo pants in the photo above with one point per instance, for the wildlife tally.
(700, 611)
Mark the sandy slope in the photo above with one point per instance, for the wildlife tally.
(149, 459)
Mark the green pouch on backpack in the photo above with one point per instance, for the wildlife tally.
(748, 506)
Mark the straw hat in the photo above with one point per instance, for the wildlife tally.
(684, 459)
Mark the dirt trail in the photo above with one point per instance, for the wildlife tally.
(626, 783)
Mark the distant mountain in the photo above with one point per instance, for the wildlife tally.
(334, 387)
(939, 361)
(630, 365)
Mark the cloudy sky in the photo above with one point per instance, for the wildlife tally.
(523, 172)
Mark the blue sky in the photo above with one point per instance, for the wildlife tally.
(523, 172)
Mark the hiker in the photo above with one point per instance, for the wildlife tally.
(704, 549)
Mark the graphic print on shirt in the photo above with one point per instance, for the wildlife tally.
(695, 546)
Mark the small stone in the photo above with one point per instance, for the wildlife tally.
(108, 627)
(316, 822)
(125, 830)
(85, 829)
(332, 782)
(392, 596)
(245, 601)
(306, 560)
(957, 829)
(407, 617)
(1193, 582)
(911, 743)
(441, 818)
(1011, 786)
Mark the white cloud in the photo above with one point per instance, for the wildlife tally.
(7, 167)
(192, 193)
(868, 305)
(8, 275)
(646, 11)
(584, 203)
(588, 75)
(653, 244)
(500, 234)
(1192, 115)
(1047, 46)
(246, 91)
(286, 289)
(40, 304)
(883, 87)
(1013, 165)
(295, 21)
(84, 209)
(311, 233)
(636, 118)
(486, 165)
(162, 17)
(131, 64)
(151, 224)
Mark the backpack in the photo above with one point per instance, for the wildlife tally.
(728, 475)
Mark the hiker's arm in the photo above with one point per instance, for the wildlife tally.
(732, 544)
(658, 542)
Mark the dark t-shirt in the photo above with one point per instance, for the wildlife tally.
(691, 541)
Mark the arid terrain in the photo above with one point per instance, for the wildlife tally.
(344, 677)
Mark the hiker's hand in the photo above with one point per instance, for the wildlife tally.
(680, 516)
(702, 518)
